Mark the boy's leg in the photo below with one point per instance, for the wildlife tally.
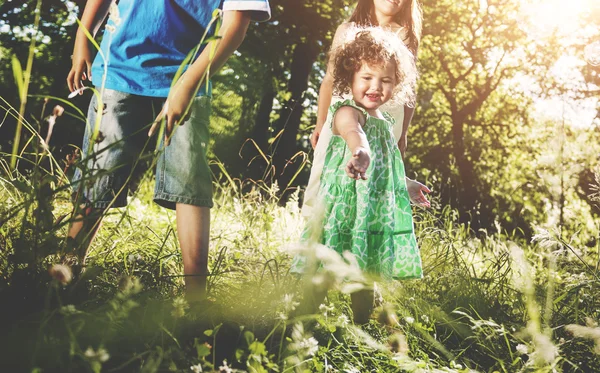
(184, 183)
(100, 182)
(83, 229)
(193, 231)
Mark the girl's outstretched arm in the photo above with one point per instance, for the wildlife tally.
(93, 15)
(348, 124)
(326, 89)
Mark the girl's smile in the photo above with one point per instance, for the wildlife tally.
(372, 86)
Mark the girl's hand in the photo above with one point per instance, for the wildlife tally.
(416, 192)
(81, 68)
(176, 108)
(357, 166)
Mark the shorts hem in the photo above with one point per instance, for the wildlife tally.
(170, 201)
(105, 205)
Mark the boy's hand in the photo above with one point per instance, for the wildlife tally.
(416, 192)
(357, 166)
(176, 109)
(82, 65)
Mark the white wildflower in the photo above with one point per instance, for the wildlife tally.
(522, 349)
(425, 318)
(325, 309)
(409, 319)
(101, 355)
(343, 320)
(225, 368)
(289, 304)
(196, 368)
(69, 309)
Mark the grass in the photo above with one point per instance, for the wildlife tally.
(489, 303)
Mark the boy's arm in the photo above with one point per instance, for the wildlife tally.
(347, 123)
(232, 32)
(93, 15)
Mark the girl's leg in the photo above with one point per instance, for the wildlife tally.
(313, 297)
(362, 305)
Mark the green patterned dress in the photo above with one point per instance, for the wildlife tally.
(370, 218)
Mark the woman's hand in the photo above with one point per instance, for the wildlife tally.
(356, 167)
(314, 137)
(416, 192)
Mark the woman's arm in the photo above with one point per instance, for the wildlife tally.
(326, 89)
(402, 141)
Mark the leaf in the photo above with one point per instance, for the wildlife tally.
(258, 348)
(239, 353)
(18, 75)
(202, 349)
(249, 337)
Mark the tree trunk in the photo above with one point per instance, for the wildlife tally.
(473, 209)
(260, 135)
(286, 145)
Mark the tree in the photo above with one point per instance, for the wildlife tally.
(468, 110)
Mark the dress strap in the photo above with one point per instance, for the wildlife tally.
(349, 102)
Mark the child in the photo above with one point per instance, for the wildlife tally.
(145, 43)
(366, 207)
(402, 17)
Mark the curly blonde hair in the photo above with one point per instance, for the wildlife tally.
(375, 47)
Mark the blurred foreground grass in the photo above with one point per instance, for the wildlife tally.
(488, 303)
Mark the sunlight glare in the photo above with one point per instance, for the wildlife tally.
(591, 53)
(543, 18)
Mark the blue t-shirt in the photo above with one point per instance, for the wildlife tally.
(147, 41)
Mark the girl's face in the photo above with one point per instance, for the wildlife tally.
(372, 86)
(388, 7)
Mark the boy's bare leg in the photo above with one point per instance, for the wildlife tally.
(362, 305)
(193, 230)
(83, 230)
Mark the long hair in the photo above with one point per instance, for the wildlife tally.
(410, 17)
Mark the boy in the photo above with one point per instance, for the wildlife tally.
(145, 43)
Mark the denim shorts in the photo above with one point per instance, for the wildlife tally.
(122, 149)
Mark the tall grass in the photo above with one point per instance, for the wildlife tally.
(492, 303)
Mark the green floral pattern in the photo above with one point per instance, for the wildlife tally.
(371, 218)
